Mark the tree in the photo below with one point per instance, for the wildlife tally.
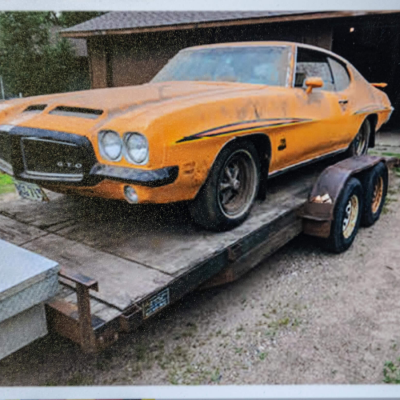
(33, 58)
(71, 18)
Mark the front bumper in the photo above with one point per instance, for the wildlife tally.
(57, 158)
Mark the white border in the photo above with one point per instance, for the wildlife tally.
(201, 392)
(198, 5)
(207, 392)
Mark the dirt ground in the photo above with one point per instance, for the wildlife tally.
(303, 316)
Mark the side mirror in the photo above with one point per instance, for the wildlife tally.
(313, 82)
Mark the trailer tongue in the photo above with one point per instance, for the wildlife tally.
(121, 264)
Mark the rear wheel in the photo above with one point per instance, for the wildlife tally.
(359, 145)
(347, 216)
(375, 188)
(226, 198)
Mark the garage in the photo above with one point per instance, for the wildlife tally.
(129, 48)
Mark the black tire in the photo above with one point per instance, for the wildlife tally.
(210, 208)
(375, 185)
(340, 239)
(359, 145)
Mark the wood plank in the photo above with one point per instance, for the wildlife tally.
(17, 232)
(63, 292)
(59, 210)
(161, 237)
(101, 310)
(97, 307)
(280, 232)
(164, 238)
(121, 282)
(285, 230)
(108, 313)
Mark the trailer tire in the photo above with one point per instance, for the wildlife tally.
(237, 168)
(375, 186)
(347, 217)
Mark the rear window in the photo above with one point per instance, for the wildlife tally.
(340, 74)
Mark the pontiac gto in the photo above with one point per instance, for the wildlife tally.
(209, 128)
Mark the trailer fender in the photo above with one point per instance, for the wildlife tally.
(319, 210)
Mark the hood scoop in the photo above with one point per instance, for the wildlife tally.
(79, 112)
(35, 108)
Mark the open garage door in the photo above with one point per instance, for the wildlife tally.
(373, 47)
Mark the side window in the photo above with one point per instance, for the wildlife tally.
(313, 63)
(340, 74)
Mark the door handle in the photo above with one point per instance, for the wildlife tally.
(343, 101)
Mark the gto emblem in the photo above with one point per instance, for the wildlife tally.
(69, 165)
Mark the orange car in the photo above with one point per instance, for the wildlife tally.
(211, 126)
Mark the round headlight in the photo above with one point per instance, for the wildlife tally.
(110, 145)
(137, 148)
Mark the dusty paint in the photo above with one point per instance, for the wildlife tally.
(190, 122)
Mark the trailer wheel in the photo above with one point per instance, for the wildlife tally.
(375, 189)
(226, 198)
(347, 217)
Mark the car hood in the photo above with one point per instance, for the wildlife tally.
(123, 99)
(86, 111)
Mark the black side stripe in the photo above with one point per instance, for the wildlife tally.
(203, 134)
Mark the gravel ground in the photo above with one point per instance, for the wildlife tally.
(303, 316)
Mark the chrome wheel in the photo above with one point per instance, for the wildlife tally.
(237, 184)
(350, 216)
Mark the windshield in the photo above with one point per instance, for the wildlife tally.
(264, 65)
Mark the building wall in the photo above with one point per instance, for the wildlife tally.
(373, 48)
(135, 59)
(97, 63)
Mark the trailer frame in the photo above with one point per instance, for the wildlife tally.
(78, 320)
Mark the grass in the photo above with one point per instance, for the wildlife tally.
(6, 184)
(397, 155)
(391, 372)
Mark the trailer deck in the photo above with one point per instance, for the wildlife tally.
(123, 263)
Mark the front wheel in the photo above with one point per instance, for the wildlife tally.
(226, 198)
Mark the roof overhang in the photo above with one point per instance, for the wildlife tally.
(302, 16)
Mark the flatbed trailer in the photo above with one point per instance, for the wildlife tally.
(122, 264)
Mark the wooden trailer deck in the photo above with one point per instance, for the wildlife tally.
(143, 257)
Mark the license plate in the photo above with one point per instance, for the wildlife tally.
(30, 191)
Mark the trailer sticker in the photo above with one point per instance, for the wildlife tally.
(156, 303)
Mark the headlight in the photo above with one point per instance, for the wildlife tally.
(137, 148)
(110, 144)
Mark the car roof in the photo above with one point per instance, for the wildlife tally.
(266, 44)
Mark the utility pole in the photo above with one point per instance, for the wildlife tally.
(2, 88)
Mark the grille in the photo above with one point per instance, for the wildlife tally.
(49, 159)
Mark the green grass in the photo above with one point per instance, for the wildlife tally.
(391, 372)
(6, 184)
(397, 155)
(383, 153)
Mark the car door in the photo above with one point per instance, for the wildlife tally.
(319, 113)
(348, 124)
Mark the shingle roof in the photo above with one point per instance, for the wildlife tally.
(145, 19)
